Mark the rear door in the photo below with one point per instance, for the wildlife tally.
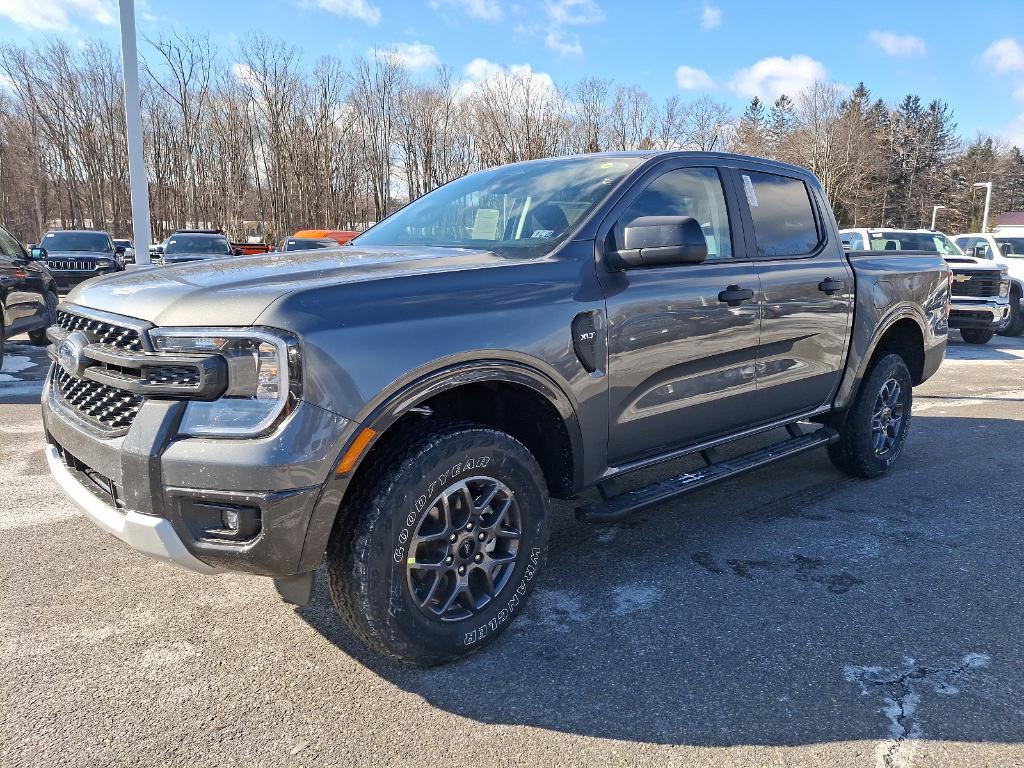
(681, 361)
(807, 290)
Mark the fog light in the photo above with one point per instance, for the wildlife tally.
(230, 519)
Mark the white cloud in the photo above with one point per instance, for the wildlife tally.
(710, 17)
(691, 78)
(1014, 132)
(244, 74)
(771, 77)
(1018, 94)
(563, 43)
(6, 84)
(481, 70)
(897, 45)
(413, 56)
(573, 12)
(488, 10)
(357, 9)
(1004, 55)
(57, 14)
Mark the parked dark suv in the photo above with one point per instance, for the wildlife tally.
(197, 245)
(74, 255)
(28, 293)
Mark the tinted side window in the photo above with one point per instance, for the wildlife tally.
(695, 192)
(856, 242)
(783, 218)
(9, 247)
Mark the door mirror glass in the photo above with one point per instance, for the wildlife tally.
(659, 241)
(38, 253)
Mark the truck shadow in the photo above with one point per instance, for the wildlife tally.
(24, 368)
(793, 606)
(999, 348)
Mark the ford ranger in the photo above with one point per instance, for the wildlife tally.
(404, 407)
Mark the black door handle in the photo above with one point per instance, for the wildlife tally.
(734, 295)
(830, 286)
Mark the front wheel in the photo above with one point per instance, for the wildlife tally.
(1014, 324)
(439, 543)
(872, 435)
(977, 335)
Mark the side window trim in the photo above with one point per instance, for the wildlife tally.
(812, 199)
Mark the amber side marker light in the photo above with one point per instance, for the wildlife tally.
(348, 461)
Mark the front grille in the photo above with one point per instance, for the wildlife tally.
(980, 284)
(106, 407)
(100, 332)
(173, 375)
(71, 265)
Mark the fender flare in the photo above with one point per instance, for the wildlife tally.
(850, 383)
(391, 407)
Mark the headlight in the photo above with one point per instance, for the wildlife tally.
(264, 378)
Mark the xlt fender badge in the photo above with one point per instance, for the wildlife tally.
(584, 340)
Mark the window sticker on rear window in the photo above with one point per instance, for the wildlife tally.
(748, 187)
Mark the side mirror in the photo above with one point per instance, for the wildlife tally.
(236, 251)
(978, 252)
(38, 253)
(119, 250)
(661, 241)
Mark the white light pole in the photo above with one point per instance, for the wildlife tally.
(935, 210)
(133, 115)
(988, 198)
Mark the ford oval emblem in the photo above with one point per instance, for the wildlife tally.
(71, 353)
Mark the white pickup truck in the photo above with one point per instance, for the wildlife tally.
(980, 288)
(1005, 248)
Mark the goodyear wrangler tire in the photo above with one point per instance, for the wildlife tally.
(439, 544)
(874, 431)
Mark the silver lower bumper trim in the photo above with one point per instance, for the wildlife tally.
(152, 536)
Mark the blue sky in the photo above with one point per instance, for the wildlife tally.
(731, 50)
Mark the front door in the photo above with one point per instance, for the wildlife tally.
(682, 340)
(808, 292)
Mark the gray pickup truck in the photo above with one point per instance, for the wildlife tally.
(403, 408)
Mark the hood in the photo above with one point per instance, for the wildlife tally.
(234, 291)
(970, 262)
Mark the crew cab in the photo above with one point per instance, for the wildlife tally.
(28, 293)
(75, 255)
(980, 290)
(404, 407)
(1005, 248)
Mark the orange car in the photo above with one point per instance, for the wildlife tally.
(340, 236)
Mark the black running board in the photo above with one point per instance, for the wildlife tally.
(624, 504)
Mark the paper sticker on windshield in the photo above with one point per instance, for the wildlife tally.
(485, 225)
(543, 233)
(748, 187)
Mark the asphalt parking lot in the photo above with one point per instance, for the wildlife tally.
(792, 617)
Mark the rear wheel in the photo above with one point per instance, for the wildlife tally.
(38, 336)
(977, 335)
(872, 435)
(439, 544)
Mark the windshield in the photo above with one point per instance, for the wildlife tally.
(514, 210)
(1011, 247)
(123, 243)
(913, 241)
(197, 244)
(77, 241)
(306, 244)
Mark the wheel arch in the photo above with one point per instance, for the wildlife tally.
(544, 419)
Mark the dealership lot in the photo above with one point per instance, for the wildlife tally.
(792, 617)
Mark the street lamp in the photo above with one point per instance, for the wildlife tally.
(935, 210)
(988, 198)
(133, 118)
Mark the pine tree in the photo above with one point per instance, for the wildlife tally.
(751, 130)
(780, 127)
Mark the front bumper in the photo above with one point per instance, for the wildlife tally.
(155, 490)
(68, 279)
(152, 536)
(977, 314)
